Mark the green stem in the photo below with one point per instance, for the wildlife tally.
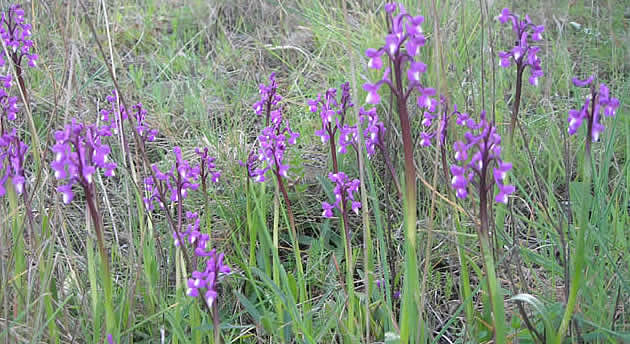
(575, 280)
(494, 290)
(276, 267)
(409, 313)
(349, 279)
(296, 247)
(216, 323)
(110, 316)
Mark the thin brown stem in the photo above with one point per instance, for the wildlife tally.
(517, 101)
(285, 195)
(390, 167)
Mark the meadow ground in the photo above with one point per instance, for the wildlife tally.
(553, 265)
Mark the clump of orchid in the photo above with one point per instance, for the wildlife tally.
(12, 155)
(402, 47)
(479, 164)
(16, 34)
(173, 187)
(344, 191)
(522, 55)
(597, 103)
(332, 112)
(114, 118)
(79, 152)
(274, 138)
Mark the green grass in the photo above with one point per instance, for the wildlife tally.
(196, 66)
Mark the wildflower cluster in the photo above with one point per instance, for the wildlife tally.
(178, 181)
(344, 191)
(481, 148)
(333, 115)
(8, 104)
(79, 150)
(12, 154)
(402, 47)
(113, 118)
(374, 130)
(208, 167)
(16, 34)
(268, 97)
(597, 103)
(207, 278)
(402, 44)
(274, 138)
(524, 52)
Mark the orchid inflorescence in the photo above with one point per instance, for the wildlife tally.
(181, 178)
(598, 102)
(373, 132)
(269, 98)
(12, 154)
(113, 118)
(333, 116)
(402, 45)
(79, 151)
(274, 138)
(344, 191)
(207, 278)
(524, 52)
(8, 103)
(16, 34)
(208, 168)
(475, 155)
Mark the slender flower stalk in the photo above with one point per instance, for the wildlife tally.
(80, 152)
(273, 142)
(599, 102)
(522, 55)
(173, 187)
(475, 156)
(402, 44)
